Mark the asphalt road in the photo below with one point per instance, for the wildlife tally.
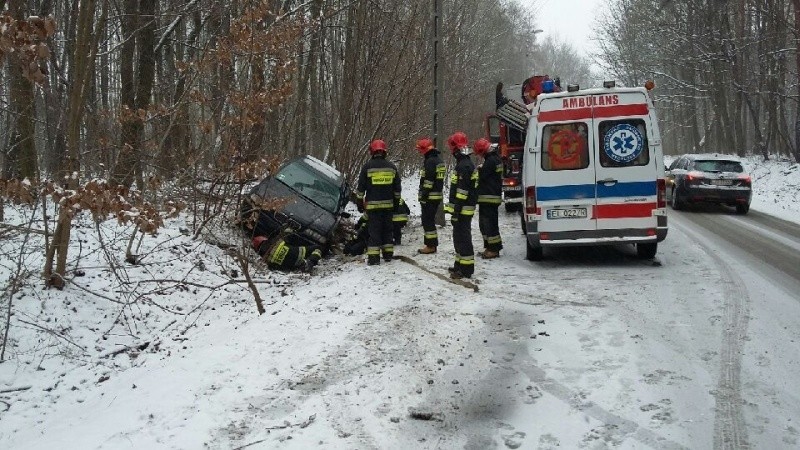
(774, 242)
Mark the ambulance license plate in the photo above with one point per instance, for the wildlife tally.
(571, 213)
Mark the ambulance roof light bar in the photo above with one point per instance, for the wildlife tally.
(609, 84)
(573, 88)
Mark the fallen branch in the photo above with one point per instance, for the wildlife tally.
(15, 389)
(440, 276)
(127, 348)
(286, 424)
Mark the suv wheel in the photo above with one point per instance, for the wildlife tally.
(742, 209)
(646, 251)
(676, 202)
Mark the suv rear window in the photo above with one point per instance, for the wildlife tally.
(718, 165)
(623, 143)
(565, 147)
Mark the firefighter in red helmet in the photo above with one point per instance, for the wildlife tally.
(280, 255)
(490, 189)
(461, 205)
(431, 184)
(378, 193)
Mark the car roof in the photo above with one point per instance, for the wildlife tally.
(713, 157)
(319, 166)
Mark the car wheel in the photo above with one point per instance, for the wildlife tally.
(512, 207)
(522, 224)
(646, 251)
(533, 253)
(742, 209)
(676, 202)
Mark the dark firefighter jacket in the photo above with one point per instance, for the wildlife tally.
(463, 187)
(490, 180)
(431, 177)
(378, 184)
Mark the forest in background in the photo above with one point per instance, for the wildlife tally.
(129, 89)
(726, 71)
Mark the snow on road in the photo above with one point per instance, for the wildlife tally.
(592, 348)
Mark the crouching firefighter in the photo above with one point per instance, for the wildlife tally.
(431, 182)
(399, 220)
(281, 256)
(357, 244)
(463, 194)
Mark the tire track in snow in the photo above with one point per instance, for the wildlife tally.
(729, 427)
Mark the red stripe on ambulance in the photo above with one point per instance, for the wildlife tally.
(586, 113)
(624, 210)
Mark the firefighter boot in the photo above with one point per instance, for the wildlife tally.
(489, 254)
(373, 260)
(457, 275)
(426, 250)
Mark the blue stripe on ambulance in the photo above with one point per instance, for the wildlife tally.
(581, 191)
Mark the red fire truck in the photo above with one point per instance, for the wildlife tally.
(507, 127)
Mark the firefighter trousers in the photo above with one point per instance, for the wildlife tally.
(429, 208)
(488, 217)
(462, 241)
(381, 235)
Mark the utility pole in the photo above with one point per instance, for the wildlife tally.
(437, 89)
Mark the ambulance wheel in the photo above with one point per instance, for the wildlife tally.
(647, 251)
(533, 253)
(676, 202)
(742, 209)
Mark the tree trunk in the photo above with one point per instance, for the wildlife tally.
(23, 153)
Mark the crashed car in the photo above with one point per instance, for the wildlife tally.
(312, 196)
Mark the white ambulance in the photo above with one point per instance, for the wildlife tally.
(593, 171)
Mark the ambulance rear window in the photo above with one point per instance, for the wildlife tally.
(565, 146)
(623, 143)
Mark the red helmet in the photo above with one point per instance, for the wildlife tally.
(482, 146)
(458, 142)
(377, 146)
(257, 241)
(424, 145)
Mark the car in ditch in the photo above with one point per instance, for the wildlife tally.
(709, 178)
(310, 196)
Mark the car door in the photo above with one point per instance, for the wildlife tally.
(625, 165)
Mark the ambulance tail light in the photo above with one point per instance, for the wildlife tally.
(530, 200)
(661, 194)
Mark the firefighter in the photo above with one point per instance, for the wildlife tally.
(399, 220)
(358, 243)
(431, 183)
(461, 206)
(279, 255)
(378, 193)
(490, 188)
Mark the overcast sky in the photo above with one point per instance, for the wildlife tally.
(572, 20)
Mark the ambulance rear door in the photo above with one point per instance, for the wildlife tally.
(625, 164)
(565, 176)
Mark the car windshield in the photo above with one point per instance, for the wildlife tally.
(311, 184)
(718, 165)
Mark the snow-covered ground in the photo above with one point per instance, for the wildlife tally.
(594, 349)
